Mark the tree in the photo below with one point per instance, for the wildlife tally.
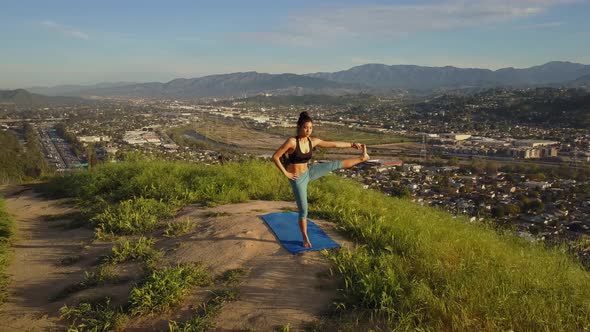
(92, 159)
(491, 167)
(511, 209)
(477, 165)
(400, 191)
(498, 211)
(539, 176)
(534, 206)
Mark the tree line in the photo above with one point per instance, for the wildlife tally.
(21, 162)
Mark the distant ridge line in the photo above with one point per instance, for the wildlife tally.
(367, 78)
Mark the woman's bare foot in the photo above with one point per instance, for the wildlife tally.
(365, 155)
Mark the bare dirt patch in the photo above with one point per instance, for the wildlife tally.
(278, 289)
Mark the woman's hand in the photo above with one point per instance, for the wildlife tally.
(356, 146)
(291, 176)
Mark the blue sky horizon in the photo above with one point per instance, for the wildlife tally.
(47, 43)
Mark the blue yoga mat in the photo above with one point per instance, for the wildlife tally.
(286, 228)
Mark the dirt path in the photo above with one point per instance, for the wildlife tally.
(36, 274)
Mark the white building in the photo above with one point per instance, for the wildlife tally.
(532, 143)
(454, 136)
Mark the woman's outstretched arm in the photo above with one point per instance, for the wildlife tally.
(327, 144)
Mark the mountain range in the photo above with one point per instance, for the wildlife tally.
(368, 78)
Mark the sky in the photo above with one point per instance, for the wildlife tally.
(47, 43)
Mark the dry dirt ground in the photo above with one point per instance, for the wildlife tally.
(278, 289)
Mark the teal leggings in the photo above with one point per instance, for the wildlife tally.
(299, 185)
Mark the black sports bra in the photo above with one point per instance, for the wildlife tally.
(298, 157)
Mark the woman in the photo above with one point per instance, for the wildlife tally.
(300, 174)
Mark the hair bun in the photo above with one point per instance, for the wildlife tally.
(303, 118)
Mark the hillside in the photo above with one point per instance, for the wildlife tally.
(411, 266)
(430, 78)
(57, 264)
(581, 82)
(228, 85)
(23, 98)
(72, 89)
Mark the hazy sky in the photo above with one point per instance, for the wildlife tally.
(50, 42)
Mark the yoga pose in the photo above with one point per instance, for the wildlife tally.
(299, 149)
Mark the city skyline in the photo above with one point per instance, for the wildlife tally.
(65, 42)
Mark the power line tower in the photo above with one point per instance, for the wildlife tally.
(575, 154)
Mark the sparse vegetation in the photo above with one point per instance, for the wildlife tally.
(216, 214)
(132, 216)
(231, 277)
(166, 287)
(20, 163)
(284, 328)
(140, 249)
(104, 275)
(94, 316)
(70, 220)
(203, 318)
(6, 232)
(178, 228)
(70, 260)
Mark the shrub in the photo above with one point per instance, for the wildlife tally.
(205, 313)
(175, 229)
(98, 315)
(133, 216)
(104, 275)
(141, 249)
(165, 288)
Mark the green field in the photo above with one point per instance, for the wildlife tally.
(342, 133)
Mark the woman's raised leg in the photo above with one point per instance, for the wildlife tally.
(348, 163)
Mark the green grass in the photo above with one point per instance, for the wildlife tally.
(202, 320)
(216, 214)
(420, 267)
(231, 277)
(94, 316)
(140, 249)
(167, 287)
(132, 216)
(178, 228)
(70, 260)
(161, 290)
(415, 267)
(284, 328)
(71, 220)
(6, 233)
(104, 275)
(174, 183)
